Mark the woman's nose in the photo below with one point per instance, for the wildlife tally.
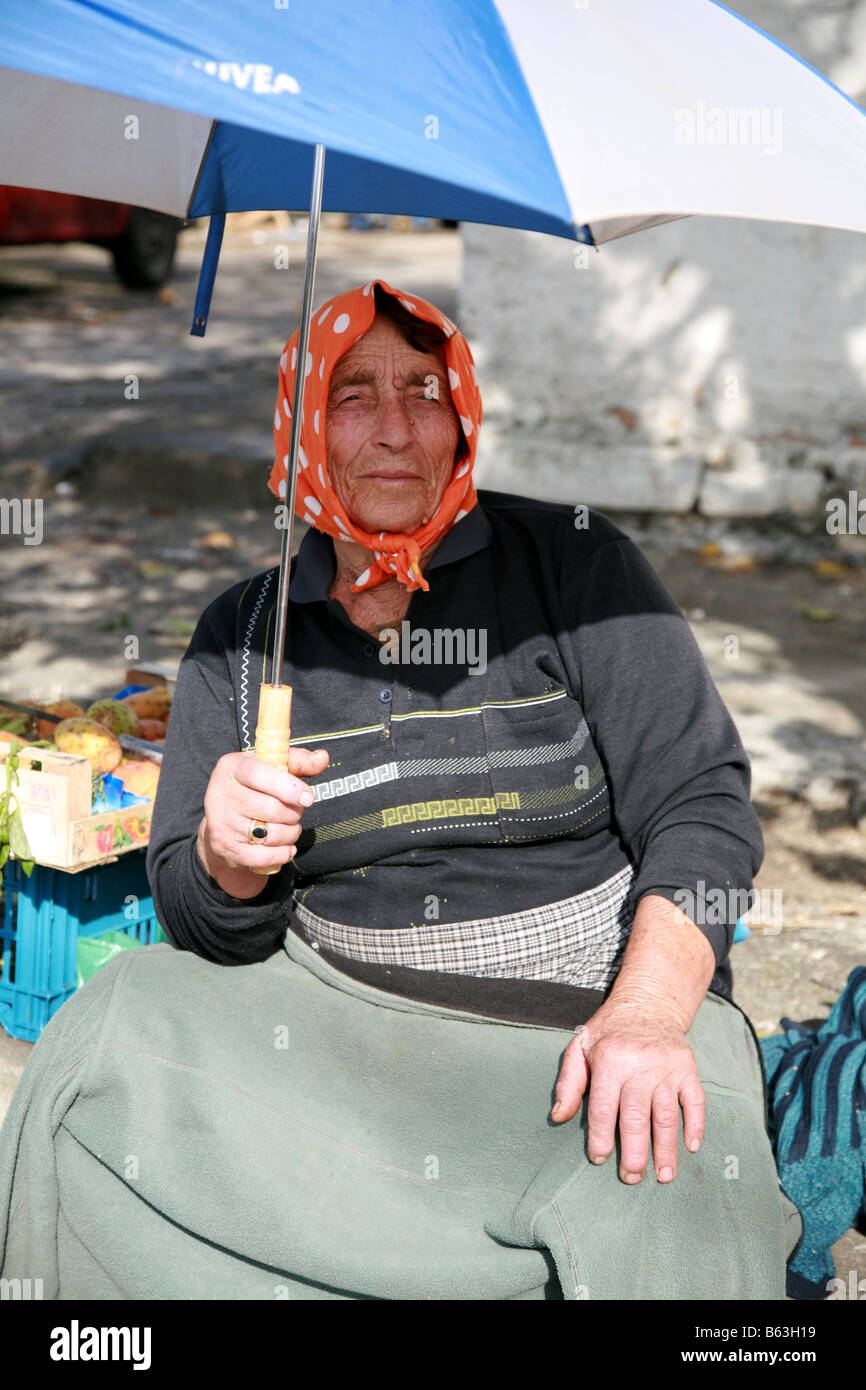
(393, 423)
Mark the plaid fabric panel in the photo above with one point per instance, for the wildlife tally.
(578, 941)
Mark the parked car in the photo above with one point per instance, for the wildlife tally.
(142, 243)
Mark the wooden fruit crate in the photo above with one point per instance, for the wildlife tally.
(153, 673)
(54, 792)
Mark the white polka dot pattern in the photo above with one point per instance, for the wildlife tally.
(334, 328)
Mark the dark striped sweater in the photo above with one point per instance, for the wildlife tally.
(543, 720)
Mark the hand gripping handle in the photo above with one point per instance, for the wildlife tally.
(273, 734)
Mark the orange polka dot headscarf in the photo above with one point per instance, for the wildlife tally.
(334, 328)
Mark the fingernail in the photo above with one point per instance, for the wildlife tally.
(665, 1174)
(557, 1106)
(693, 1145)
(600, 1158)
(632, 1177)
(306, 798)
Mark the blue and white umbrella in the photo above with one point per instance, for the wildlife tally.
(587, 119)
(583, 118)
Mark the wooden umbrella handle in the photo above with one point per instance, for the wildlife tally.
(273, 734)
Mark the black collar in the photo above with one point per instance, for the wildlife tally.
(314, 565)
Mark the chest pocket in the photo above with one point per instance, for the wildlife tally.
(544, 768)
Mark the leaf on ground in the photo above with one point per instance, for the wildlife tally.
(831, 569)
(735, 563)
(154, 569)
(173, 627)
(818, 615)
(112, 624)
(218, 540)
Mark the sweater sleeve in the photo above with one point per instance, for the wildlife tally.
(195, 913)
(678, 775)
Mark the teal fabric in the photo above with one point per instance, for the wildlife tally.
(817, 1082)
(185, 1130)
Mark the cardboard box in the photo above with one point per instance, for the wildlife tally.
(152, 673)
(54, 793)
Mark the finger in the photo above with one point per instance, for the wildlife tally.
(245, 805)
(229, 838)
(571, 1083)
(304, 763)
(666, 1133)
(635, 1117)
(259, 776)
(237, 826)
(694, 1104)
(251, 857)
(604, 1102)
(238, 854)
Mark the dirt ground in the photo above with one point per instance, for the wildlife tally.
(797, 691)
(152, 506)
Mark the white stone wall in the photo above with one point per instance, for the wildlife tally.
(710, 363)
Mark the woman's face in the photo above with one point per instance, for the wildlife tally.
(392, 431)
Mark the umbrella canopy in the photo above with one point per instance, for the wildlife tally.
(583, 120)
(589, 120)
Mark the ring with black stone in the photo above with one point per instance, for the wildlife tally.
(257, 832)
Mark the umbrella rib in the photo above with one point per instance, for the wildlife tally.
(201, 164)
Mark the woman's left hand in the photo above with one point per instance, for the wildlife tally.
(639, 1066)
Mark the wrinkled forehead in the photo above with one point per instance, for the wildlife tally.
(383, 349)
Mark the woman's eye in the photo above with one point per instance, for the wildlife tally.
(424, 395)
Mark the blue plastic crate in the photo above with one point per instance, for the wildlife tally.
(41, 919)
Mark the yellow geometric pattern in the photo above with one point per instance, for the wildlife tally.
(420, 810)
(441, 810)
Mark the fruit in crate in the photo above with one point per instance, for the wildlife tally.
(152, 729)
(66, 709)
(115, 715)
(150, 704)
(18, 725)
(138, 775)
(90, 740)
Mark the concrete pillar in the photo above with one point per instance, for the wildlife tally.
(710, 364)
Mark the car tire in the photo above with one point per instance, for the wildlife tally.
(144, 252)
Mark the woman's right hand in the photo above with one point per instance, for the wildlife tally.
(242, 788)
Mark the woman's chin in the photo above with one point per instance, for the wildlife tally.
(388, 518)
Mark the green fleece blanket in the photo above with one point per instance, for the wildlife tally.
(192, 1131)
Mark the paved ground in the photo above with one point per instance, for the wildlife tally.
(153, 505)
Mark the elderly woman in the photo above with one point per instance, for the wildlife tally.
(510, 773)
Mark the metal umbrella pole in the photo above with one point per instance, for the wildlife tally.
(273, 728)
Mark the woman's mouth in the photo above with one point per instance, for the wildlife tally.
(391, 475)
